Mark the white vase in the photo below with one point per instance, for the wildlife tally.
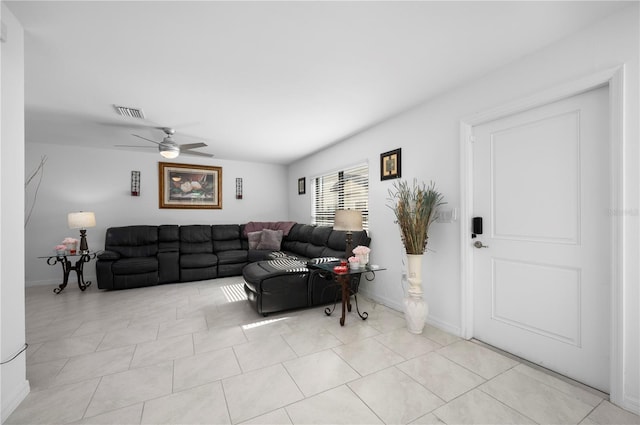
(415, 307)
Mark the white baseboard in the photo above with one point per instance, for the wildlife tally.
(43, 282)
(444, 326)
(431, 320)
(12, 401)
(381, 300)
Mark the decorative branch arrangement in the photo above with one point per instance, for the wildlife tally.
(415, 209)
(38, 170)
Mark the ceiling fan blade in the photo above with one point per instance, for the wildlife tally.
(193, 145)
(135, 146)
(194, 153)
(144, 138)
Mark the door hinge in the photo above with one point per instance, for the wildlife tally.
(472, 138)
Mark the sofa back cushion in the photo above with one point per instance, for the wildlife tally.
(196, 239)
(320, 235)
(318, 241)
(337, 242)
(132, 241)
(226, 237)
(168, 238)
(305, 232)
(298, 239)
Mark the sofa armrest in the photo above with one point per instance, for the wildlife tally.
(108, 256)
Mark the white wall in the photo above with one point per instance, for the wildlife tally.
(99, 180)
(14, 385)
(429, 138)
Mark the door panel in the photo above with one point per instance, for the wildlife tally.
(521, 210)
(541, 288)
(521, 288)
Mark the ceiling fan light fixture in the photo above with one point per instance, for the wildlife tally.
(169, 150)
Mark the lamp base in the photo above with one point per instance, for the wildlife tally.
(84, 247)
(349, 247)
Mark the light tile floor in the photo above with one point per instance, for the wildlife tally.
(197, 353)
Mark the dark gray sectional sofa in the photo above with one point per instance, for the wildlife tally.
(143, 255)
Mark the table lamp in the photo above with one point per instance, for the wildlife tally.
(81, 220)
(349, 221)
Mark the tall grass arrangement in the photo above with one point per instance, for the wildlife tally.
(415, 209)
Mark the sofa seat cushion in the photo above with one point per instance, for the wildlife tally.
(233, 256)
(136, 265)
(255, 255)
(194, 261)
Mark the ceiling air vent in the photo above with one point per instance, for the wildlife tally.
(129, 112)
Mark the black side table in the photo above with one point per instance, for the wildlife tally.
(67, 267)
(344, 281)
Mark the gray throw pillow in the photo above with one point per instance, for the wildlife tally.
(254, 239)
(271, 239)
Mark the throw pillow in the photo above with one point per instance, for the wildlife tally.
(254, 239)
(271, 239)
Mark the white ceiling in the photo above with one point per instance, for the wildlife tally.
(263, 81)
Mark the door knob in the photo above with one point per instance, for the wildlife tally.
(478, 244)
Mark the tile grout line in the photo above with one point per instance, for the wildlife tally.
(548, 372)
(95, 390)
(468, 369)
(501, 402)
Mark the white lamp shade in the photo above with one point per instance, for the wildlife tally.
(81, 220)
(348, 220)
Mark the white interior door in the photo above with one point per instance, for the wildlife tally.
(541, 284)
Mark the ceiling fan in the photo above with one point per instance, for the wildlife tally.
(169, 149)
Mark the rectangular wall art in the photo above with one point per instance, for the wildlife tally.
(390, 165)
(190, 186)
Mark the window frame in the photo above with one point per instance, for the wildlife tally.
(325, 215)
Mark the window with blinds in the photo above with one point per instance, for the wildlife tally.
(346, 189)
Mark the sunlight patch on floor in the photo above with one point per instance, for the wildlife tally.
(234, 293)
(262, 323)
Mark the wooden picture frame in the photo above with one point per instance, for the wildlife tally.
(391, 164)
(189, 186)
(302, 186)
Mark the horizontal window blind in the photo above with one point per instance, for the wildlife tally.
(347, 189)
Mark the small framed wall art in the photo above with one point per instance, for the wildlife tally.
(391, 165)
(302, 186)
(135, 183)
(238, 187)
